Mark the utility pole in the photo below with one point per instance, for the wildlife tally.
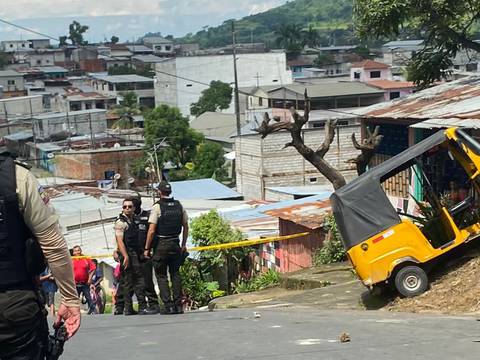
(6, 116)
(33, 130)
(237, 101)
(92, 135)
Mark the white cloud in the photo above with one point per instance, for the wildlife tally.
(28, 9)
(25, 9)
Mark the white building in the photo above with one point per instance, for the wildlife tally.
(75, 122)
(10, 46)
(119, 85)
(253, 69)
(160, 45)
(11, 81)
(21, 107)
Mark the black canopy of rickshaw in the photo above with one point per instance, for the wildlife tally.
(361, 207)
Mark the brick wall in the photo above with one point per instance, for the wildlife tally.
(93, 165)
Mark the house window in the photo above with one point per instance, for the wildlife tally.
(375, 74)
(260, 101)
(39, 62)
(158, 48)
(23, 45)
(168, 48)
(472, 67)
(47, 61)
(394, 95)
(313, 180)
(110, 87)
(11, 82)
(356, 75)
(11, 45)
(189, 85)
(274, 80)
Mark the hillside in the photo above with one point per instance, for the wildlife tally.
(331, 18)
(455, 289)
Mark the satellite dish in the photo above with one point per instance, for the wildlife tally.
(50, 155)
(131, 180)
(117, 176)
(117, 145)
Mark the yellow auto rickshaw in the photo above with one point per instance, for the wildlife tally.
(388, 245)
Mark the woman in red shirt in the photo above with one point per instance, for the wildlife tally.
(83, 270)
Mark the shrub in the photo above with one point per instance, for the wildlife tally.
(265, 280)
(332, 250)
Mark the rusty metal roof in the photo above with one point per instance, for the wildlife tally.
(309, 214)
(454, 100)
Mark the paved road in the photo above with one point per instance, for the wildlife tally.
(280, 333)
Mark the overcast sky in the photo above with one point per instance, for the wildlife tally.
(124, 18)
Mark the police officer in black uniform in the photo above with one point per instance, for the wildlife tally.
(167, 221)
(131, 278)
(141, 218)
(29, 232)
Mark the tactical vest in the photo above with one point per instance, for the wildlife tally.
(130, 236)
(13, 231)
(171, 218)
(142, 221)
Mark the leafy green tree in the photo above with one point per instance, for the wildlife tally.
(121, 70)
(209, 161)
(127, 110)
(290, 37)
(63, 40)
(323, 59)
(447, 27)
(217, 97)
(76, 31)
(311, 37)
(220, 265)
(165, 122)
(114, 39)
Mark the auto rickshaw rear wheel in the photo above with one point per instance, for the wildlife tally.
(411, 281)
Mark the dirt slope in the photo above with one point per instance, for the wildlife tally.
(454, 289)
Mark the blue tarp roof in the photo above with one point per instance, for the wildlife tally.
(207, 189)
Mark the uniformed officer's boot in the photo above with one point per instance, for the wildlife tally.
(118, 311)
(178, 309)
(130, 311)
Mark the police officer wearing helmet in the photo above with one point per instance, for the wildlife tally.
(126, 234)
(141, 219)
(28, 231)
(167, 221)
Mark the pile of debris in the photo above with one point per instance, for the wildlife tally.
(454, 290)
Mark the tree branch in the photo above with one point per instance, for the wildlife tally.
(316, 158)
(368, 149)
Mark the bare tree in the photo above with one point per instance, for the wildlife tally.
(368, 148)
(317, 157)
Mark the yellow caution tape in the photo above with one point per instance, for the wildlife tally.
(231, 245)
(247, 242)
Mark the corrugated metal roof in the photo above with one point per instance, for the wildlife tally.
(21, 135)
(208, 189)
(70, 113)
(303, 190)
(445, 123)
(457, 99)
(117, 79)
(403, 43)
(309, 214)
(75, 202)
(48, 147)
(320, 90)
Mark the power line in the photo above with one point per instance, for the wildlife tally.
(27, 29)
